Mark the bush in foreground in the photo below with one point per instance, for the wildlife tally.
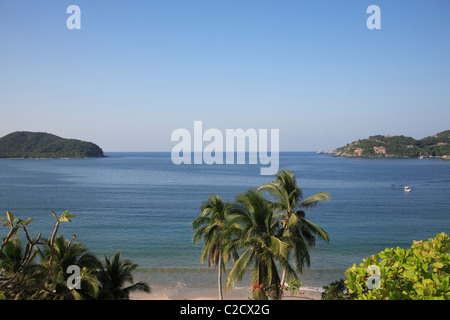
(421, 272)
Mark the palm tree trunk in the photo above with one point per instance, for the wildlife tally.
(283, 278)
(220, 276)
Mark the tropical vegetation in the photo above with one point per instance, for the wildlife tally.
(295, 229)
(215, 228)
(113, 277)
(421, 272)
(269, 235)
(263, 250)
(39, 269)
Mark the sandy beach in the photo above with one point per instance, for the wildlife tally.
(161, 293)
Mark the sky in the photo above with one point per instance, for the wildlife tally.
(138, 70)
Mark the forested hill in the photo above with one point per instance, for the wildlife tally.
(398, 147)
(45, 145)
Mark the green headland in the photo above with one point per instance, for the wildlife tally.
(44, 145)
(386, 146)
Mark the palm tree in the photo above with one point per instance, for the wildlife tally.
(113, 277)
(17, 266)
(215, 227)
(65, 254)
(261, 247)
(296, 230)
(12, 256)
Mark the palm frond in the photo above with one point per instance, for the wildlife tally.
(315, 199)
(239, 268)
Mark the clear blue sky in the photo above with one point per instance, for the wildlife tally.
(137, 70)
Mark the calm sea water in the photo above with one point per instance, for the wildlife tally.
(140, 204)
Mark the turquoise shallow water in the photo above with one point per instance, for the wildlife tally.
(141, 204)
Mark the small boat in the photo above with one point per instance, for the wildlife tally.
(407, 189)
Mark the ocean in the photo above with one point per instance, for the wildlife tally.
(142, 205)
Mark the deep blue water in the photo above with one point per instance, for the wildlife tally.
(142, 205)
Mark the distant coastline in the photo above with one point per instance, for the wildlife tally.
(396, 147)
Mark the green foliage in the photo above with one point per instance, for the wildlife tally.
(39, 270)
(215, 227)
(266, 232)
(400, 146)
(44, 145)
(257, 227)
(293, 286)
(335, 291)
(286, 198)
(15, 225)
(65, 217)
(63, 254)
(114, 276)
(421, 272)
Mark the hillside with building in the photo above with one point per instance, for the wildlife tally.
(387, 146)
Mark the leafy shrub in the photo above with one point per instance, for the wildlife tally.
(421, 272)
(335, 291)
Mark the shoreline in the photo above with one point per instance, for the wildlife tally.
(239, 293)
(386, 157)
